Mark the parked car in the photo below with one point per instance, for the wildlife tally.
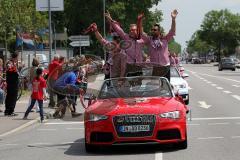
(237, 62)
(226, 63)
(135, 110)
(180, 84)
(196, 61)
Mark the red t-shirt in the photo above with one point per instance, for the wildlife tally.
(53, 69)
(37, 88)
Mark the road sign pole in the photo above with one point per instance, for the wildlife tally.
(80, 49)
(50, 30)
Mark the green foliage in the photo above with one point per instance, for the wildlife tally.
(220, 30)
(175, 47)
(19, 14)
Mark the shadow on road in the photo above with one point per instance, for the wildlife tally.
(78, 149)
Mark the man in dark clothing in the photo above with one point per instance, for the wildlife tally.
(12, 85)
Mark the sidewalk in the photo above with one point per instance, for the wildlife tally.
(7, 124)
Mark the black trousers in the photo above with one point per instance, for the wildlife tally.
(11, 97)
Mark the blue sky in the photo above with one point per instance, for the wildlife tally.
(191, 14)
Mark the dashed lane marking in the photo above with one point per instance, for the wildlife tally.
(227, 92)
(220, 88)
(158, 156)
(202, 138)
(62, 123)
(236, 97)
(213, 85)
(212, 124)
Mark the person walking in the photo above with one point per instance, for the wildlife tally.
(38, 93)
(12, 79)
(158, 48)
(52, 77)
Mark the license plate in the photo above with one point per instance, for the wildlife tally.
(134, 128)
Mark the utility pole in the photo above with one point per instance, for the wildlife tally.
(50, 30)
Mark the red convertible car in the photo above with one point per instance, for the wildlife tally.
(135, 110)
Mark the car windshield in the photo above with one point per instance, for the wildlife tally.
(227, 60)
(135, 87)
(174, 72)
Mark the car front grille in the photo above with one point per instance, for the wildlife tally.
(134, 121)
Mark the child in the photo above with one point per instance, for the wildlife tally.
(38, 93)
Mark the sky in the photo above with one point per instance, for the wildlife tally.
(191, 14)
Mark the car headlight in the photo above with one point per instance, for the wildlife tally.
(97, 117)
(172, 115)
(183, 85)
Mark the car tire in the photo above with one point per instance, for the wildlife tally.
(234, 69)
(219, 69)
(187, 101)
(90, 148)
(183, 144)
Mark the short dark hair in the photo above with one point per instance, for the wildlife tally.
(39, 71)
(117, 39)
(14, 55)
(157, 25)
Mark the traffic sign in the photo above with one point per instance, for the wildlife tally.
(55, 5)
(79, 38)
(80, 43)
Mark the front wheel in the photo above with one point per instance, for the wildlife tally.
(183, 144)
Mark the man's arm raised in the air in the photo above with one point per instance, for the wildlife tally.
(172, 31)
(116, 26)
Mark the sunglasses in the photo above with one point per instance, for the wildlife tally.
(154, 29)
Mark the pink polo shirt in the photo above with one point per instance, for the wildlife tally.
(134, 50)
(158, 48)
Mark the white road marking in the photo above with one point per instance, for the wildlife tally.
(189, 88)
(1, 145)
(50, 144)
(203, 104)
(219, 88)
(193, 124)
(202, 138)
(213, 84)
(235, 136)
(62, 123)
(227, 92)
(47, 129)
(218, 123)
(217, 77)
(215, 118)
(209, 82)
(75, 128)
(236, 86)
(236, 96)
(158, 156)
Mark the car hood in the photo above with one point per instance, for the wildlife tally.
(177, 81)
(119, 106)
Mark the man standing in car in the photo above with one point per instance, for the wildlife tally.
(158, 48)
(135, 45)
(12, 85)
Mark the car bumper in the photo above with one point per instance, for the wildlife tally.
(165, 131)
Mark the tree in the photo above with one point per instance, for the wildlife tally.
(221, 29)
(78, 15)
(19, 14)
(175, 47)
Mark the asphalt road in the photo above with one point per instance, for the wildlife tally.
(213, 131)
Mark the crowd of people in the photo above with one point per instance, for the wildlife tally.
(65, 79)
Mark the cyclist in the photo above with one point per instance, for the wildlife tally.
(65, 87)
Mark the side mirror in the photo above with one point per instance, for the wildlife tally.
(185, 75)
